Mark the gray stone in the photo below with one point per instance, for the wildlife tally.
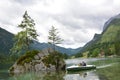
(40, 55)
(36, 64)
(36, 57)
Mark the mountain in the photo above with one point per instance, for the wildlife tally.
(106, 43)
(6, 42)
(68, 51)
(107, 23)
(91, 43)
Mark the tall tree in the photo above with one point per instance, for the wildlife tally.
(25, 37)
(53, 37)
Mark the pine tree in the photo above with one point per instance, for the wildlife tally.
(54, 37)
(25, 37)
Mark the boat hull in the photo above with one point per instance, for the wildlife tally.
(80, 68)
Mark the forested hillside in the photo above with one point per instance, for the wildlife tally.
(105, 44)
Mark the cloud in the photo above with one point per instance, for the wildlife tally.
(76, 20)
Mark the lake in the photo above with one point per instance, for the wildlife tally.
(107, 69)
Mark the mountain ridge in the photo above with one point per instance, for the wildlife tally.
(7, 42)
(107, 42)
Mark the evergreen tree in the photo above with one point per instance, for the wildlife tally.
(25, 37)
(54, 37)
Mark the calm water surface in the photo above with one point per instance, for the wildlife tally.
(82, 75)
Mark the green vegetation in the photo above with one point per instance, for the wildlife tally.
(5, 41)
(110, 34)
(105, 44)
(53, 58)
(27, 57)
(2, 58)
(53, 37)
(65, 56)
(117, 44)
(25, 37)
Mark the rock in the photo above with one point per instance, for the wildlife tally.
(17, 69)
(40, 67)
(36, 57)
(40, 55)
(41, 61)
(45, 52)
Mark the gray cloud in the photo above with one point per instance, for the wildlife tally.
(26, 2)
(77, 20)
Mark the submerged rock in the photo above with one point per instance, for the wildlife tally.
(34, 61)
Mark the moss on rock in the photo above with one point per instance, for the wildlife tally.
(27, 57)
(39, 61)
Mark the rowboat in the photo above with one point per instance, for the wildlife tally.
(79, 68)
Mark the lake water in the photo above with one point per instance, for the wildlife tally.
(81, 75)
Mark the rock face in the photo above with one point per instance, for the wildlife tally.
(106, 25)
(38, 63)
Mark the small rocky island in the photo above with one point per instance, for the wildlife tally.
(34, 61)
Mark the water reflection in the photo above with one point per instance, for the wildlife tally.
(4, 75)
(89, 75)
(86, 75)
(38, 76)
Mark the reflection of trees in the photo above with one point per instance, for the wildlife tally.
(102, 77)
(54, 76)
(83, 74)
(39, 76)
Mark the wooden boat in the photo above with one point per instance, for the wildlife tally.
(79, 68)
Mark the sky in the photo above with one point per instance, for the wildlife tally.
(76, 20)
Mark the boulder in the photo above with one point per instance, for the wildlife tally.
(41, 61)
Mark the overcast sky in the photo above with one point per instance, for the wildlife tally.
(76, 20)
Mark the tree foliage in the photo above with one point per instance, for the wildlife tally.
(117, 44)
(53, 37)
(25, 37)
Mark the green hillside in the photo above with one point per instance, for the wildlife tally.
(111, 33)
(105, 44)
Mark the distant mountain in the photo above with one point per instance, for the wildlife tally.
(6, 42)
(68, 51)
(108, 42)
